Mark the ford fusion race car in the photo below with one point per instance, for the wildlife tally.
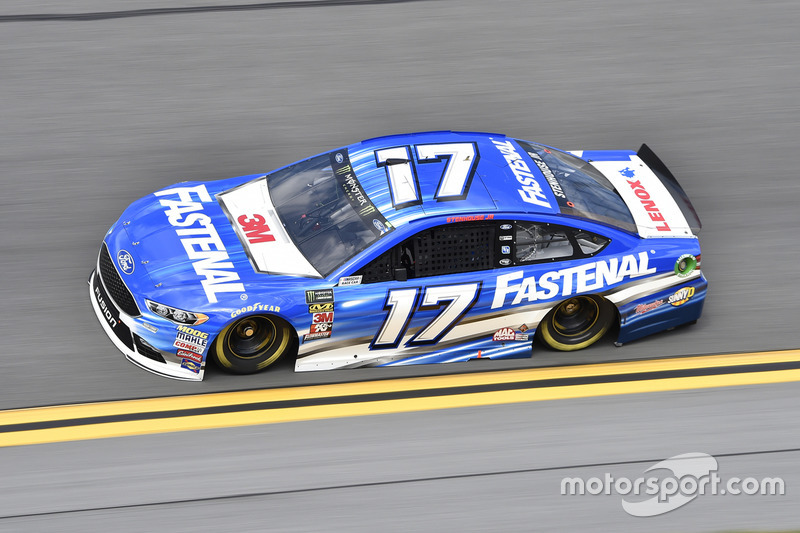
(410, 249)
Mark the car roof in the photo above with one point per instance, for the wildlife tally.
(495, 186)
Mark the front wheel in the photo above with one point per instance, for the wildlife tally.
(252, 344)
(577, 323)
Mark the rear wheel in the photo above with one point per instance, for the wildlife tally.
(252, 344)
(577, 323)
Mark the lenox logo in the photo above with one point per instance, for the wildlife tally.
(200, 239)
(644, 197)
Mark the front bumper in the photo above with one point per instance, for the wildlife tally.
(128, 335)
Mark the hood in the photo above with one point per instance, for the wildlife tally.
(182, 237)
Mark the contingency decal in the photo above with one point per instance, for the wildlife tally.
(190, 339)
(319, 295)
(188, 364)
(359, 201)
(683, 295)
(645, 308)
(508, 334)
(350, 280)
(320, 308)
(321, 326)
(186, 354)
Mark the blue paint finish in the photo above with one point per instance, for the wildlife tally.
(607, 155)
(163, 272)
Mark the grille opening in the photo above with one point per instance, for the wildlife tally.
(147, 350)
(115, 286)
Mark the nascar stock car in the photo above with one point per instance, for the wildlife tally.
(410, 249)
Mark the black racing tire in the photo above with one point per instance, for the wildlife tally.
(253, 343)
(577, 323)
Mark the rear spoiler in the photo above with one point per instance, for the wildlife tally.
(662, 172)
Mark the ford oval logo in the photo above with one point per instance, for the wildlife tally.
(379, 225)
(125, 261)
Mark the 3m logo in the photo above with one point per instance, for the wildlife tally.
(255, 229)
(318, 318)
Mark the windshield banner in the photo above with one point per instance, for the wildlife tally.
(561, 198)
(360, 202)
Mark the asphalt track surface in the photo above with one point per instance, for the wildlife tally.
(99, 111)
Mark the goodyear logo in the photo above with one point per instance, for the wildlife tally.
(682, 296)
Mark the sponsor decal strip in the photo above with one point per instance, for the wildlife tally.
(530, 189)
(124, 418)
(347, 180)
(561, 198)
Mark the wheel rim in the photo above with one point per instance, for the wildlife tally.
(251, 337)
(576, 316)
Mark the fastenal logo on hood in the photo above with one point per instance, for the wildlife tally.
(200, 239)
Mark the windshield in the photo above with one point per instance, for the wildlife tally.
(325, 211)
(581, 190)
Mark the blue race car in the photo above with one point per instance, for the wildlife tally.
(409, 249)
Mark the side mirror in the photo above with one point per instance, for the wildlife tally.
(400, 274)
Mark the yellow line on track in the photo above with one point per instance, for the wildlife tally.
(336, 410)
(295, 414)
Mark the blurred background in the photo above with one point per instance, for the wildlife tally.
(97, 110)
